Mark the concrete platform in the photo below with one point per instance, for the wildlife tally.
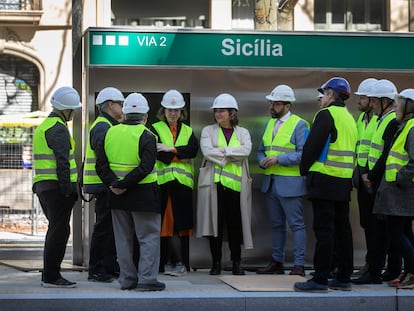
(195, 291)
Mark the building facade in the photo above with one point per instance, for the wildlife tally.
(36, 35)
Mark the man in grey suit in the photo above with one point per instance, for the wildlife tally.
(279, 155)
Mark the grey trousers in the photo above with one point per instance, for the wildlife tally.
(147, 227)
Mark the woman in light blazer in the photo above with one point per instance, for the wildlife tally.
(224, 188)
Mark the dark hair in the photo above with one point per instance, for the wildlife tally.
(339, 96)
(161, 114)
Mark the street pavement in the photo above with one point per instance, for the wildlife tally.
(195, 291)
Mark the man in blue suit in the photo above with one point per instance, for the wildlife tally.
(279, 155)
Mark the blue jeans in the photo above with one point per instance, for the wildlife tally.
(288, 210)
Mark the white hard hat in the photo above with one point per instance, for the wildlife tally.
(407, 93)
(365, 86)
(65, 97)
(225, 101)
(135, 103)
(383, 88)
(109, 93)
(282, 93)
(173, 99)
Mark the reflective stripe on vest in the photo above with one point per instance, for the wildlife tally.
(377, 143)
(398, 156)
(122, 150)
(183, 172)
(365, 134)
(90, 177)
(230, 175)
(341, 154)
(44, 157)
(281, 144)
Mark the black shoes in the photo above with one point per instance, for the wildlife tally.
(216, 269)
(367, 278)
(310, 286)
(237, 269)
(100, 277)
(387, 276)
(59, 283)
(338, 285)
(150, 287)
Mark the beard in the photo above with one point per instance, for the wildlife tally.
(276, 115)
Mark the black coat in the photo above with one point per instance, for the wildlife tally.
(138, 197)
(58, 139)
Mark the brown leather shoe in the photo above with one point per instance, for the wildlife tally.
(273, 267)
(298, 270)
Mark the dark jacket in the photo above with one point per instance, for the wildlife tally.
(183, 152)
(397, 198)
(138, 197)
(58, 139)
(96, 135)
(376, 173)
(321, 186)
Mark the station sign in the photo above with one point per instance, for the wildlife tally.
(248, 49)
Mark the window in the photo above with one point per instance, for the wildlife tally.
(353, 15)
(160, 13)
(10, 5)
(242, 14)
(17, 5)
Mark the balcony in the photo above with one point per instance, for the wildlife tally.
(20, 12)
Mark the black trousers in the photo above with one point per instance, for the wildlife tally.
(381, 247)
(399, 229)
(102, 257)
(366, 204)
(57, 209)
(331, 225)
(229, 215)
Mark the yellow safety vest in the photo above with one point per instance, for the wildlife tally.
(281, 144)
(90, 177)
(122, 150)
(44, 157)
(398, 156)
(182, 172)
(377, 143)
(341, 153)
(365, 133)
(230, 175)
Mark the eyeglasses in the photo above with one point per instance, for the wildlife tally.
(119, 103)
(277, 103)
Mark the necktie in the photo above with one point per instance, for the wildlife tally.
(276, 128)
